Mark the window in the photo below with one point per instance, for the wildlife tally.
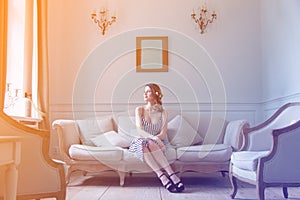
(21, 71)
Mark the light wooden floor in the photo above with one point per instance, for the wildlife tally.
(138, 187)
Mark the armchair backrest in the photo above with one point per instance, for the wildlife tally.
(260, 137)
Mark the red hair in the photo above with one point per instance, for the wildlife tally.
(157, 91)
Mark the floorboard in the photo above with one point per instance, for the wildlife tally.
(148, 187)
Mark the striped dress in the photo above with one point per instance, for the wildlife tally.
(137, 145)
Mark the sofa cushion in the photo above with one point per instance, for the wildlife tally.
(84, 152)
(111, 138)
(207, 152)
(169, 152)
(247, 160)
(90, 128)
(251, 175)
(181, 133)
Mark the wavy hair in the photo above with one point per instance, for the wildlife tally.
(157, 91)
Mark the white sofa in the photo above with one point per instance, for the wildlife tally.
(195, 143)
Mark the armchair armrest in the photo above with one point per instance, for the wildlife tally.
(68, 134)
(282, 164)
(234, 133)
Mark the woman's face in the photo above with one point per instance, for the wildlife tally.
(148, 94)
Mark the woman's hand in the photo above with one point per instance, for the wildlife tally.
(159, 142)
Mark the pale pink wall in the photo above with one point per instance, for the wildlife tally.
(233, 41)
(280, 43)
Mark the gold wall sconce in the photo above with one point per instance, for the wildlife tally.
(203, 20)
(101, 18)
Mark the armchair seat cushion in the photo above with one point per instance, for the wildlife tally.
(84, 152)
(247, 160)
(205, 152)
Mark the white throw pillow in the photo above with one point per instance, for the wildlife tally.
(127, 127)
(181, 133)
(90, 128)
(110, 138)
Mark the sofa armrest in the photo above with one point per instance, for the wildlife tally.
(234, 133)
(68, 134)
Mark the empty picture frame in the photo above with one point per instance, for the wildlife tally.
(152, 54)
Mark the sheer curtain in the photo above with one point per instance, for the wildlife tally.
(35, 73)
(42, 60)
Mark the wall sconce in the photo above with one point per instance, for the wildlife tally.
(101, 19)
(203, 19)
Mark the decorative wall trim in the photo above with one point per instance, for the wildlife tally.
(231, 111)
(270, 106)
(254, 112)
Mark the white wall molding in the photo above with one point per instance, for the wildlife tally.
(231, 111)
(269, 107)
(254, 112)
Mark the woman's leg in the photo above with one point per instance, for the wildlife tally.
(151, 162)
(167, 183)
(161, 159)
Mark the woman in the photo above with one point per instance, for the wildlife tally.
(151, 122)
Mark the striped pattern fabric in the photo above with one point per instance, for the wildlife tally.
(137, 145)
(153, 129)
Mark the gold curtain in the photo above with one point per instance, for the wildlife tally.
(3, 48)
(43, 84)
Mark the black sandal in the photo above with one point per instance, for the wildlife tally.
(179, 185)
(169, 185)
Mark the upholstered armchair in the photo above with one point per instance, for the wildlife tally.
(270, 153)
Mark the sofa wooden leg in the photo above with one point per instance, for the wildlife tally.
(285, 192)
(68, 171)
(233, 185)
(223, 173)
(122, 177)
(233, 182)
(261, 191)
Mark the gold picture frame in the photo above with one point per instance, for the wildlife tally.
(152, 54)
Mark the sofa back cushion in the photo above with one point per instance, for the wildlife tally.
(111, 138)
(91, 128)
(181, 133)
(213, 129)
(126, 126)
(210, 128)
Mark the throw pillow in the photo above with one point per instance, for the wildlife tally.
(127, 127)
(181, 133)
(110, 138)
(90, 128)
